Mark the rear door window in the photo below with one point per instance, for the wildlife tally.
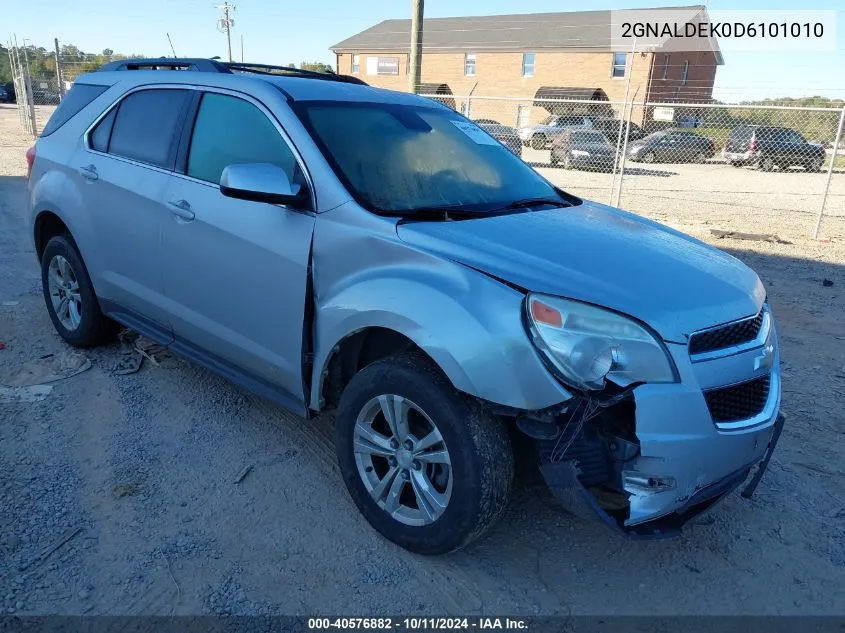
(79, 96)
(147, 125)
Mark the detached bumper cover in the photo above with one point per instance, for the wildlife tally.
(562, 480)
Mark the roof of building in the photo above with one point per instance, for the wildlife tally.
(572, 30)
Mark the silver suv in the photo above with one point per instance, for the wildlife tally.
(337, 247)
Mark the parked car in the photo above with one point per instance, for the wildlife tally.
(583, 149)
(505, 134)
(610, 128)
(334, 246)
(767, 147)
(4, 95)
(541, 135)
(43, 96)
(672, 146)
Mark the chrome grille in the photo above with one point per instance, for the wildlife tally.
(738, 402)
(726, 336)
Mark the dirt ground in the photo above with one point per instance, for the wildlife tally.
(138, 473)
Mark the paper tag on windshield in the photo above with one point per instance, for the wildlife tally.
(474, 132)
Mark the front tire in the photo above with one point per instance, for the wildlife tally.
(71, 302)
(649, 158)
(538, 142)
(426, 465)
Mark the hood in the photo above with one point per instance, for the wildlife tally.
(604, 256)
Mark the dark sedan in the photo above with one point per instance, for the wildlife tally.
(506, 135)
(583, 148)
(672, 146)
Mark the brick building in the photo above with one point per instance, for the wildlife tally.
(523, 58)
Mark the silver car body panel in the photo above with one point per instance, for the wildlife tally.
(601, 255)
(365, 276)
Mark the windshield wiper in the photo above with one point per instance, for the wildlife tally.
(526, 203)
(445, 212)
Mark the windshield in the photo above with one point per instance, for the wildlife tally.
(400, 158)
(654, 136)
(588, 138)
(549, 120)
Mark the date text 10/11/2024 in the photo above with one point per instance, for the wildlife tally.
(418, 623)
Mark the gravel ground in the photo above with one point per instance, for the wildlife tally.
(118, 493)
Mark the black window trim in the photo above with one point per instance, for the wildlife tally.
(115, 106)
(188, 129)
(188, 132)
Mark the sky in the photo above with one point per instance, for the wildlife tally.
(281, 32)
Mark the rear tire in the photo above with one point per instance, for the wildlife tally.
(69, 294)
(649, 157)
(471, 490)
(815, 165)
(766, 164)
(700, 158)
(538, 142)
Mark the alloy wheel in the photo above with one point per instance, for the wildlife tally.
(64, 292)
(403, 460)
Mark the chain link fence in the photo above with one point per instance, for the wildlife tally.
(36, 96)
(743, 168)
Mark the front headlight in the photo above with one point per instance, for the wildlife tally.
(579, 152)
(587, 345)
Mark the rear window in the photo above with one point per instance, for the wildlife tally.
(79, 96)
(146, 125)
(742, 134)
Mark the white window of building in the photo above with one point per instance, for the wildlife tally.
(685, 73)
(523, 115)
(620, 63)
(528, 64)
(356, 64)
(388, 66)
(665, 65)
(469, 64)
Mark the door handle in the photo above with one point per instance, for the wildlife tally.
(88, 172)
(181, 209)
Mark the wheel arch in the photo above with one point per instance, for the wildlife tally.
(47, 225)
(367, 344)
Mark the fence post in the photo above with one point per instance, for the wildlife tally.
(60, 80)
(829, 173)
(33, 124)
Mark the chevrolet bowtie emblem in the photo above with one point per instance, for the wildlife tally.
(766, 359)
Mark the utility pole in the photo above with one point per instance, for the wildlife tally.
(59, 79)
(225, 23)
(415, 73)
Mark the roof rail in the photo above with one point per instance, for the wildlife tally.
(167, 63)
(268, 69)
(216, 66)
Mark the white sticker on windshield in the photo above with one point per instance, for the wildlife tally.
(474, 132)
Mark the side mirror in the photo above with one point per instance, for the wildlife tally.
(263, 182)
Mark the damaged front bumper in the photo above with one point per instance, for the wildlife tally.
(669, 452)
